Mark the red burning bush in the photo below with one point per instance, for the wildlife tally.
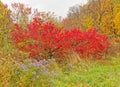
(44, 38)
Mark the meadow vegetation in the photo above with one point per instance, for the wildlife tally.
(37, 49)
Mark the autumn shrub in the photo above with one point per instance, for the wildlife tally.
(44, 39)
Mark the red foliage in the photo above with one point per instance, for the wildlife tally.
(43, 37)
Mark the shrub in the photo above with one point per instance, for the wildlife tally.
(46, 40)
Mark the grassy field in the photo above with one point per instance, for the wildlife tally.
(99, 74)
(86, 73)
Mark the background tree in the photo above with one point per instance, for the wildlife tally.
(51, 17)
(6, 25)
(98, 14)
(22, 14)
(117, 24)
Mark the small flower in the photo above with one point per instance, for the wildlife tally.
(34, 72)
(38, 64)
(24, 67)
(36, 77)
(70, 66)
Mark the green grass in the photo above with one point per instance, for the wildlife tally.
(86, 73)
(96, 75)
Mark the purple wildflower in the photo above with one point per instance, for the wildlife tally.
(38, 64)
(24, 67)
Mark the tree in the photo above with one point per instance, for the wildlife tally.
(94, 14)
(117, 24)
(20, 14)
(6, 25)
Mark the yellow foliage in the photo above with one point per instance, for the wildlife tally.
(117, 23)
(100, 14)
(89, 23)
(6, 68)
